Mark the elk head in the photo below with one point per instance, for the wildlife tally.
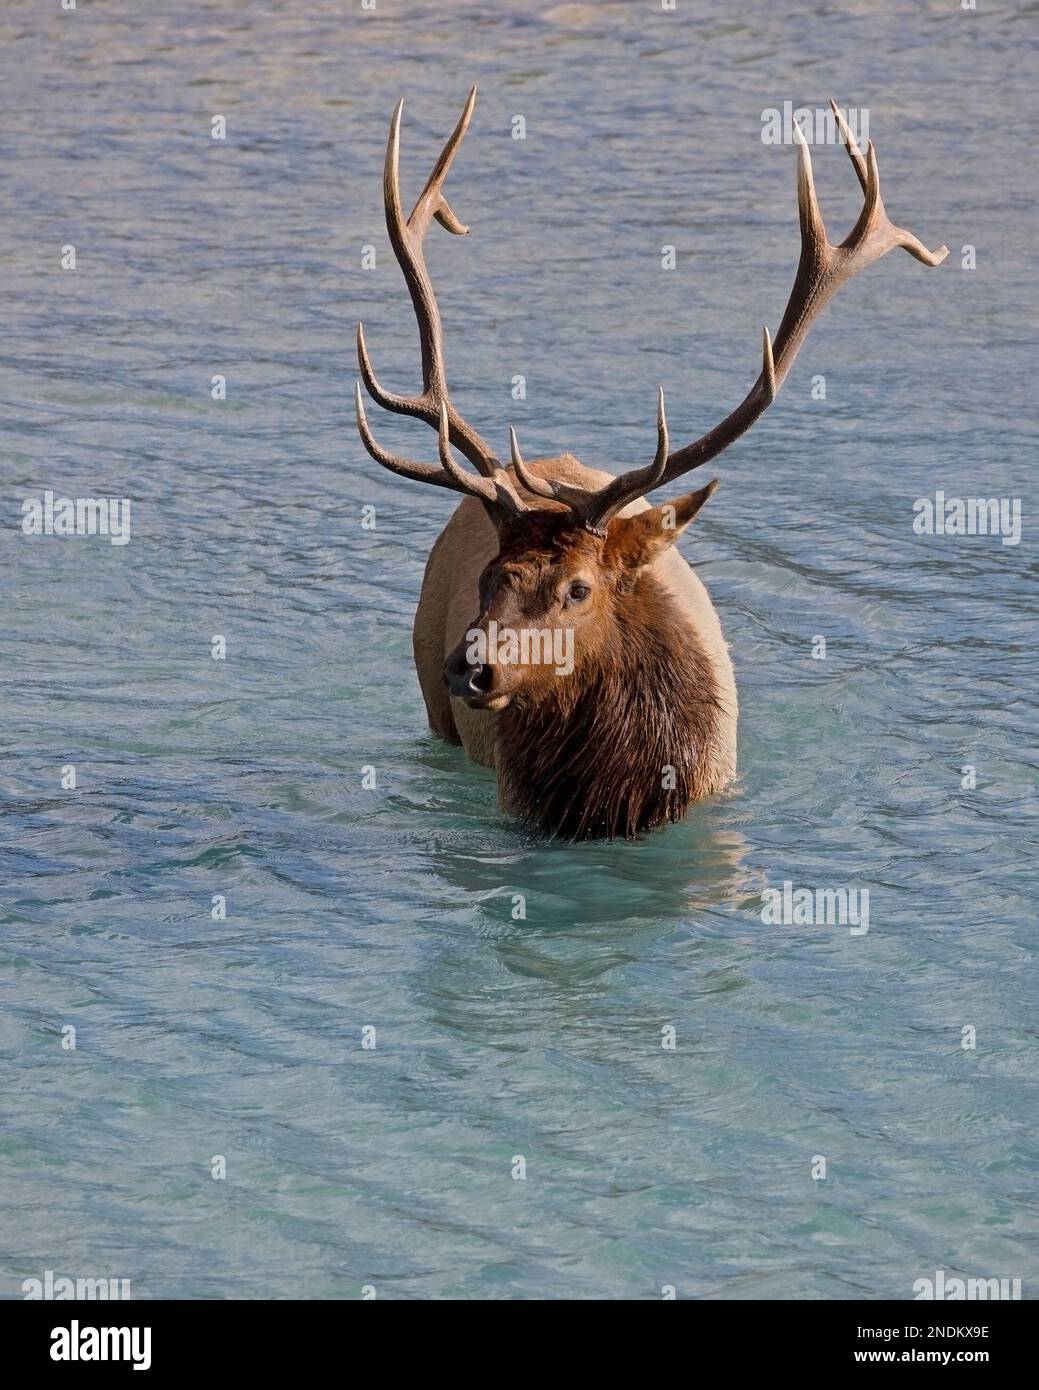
(553, 601)
(569, 561)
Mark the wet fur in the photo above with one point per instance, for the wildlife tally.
(599, 754)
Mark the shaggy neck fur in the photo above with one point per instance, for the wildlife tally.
(619, 746)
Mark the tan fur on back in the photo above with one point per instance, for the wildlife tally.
(449, 602)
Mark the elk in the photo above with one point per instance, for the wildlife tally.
(643, 723)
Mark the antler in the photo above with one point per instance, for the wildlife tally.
(497, 491)
(821, 271)
(434, 403)
(579, 499)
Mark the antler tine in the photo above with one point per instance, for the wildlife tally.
(396, 463)
(869, 176)
(616, 495)
(406, 238)
(540, 487)
(431, 201)
(389, 400)
(813, 229)
(596, 509)
(498, 493)
(571, 495)
(873, 218)
(768, 366)
(498, 490)
(851, 145)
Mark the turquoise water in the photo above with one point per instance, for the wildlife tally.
(347, 908)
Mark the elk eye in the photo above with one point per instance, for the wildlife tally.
(579, 591)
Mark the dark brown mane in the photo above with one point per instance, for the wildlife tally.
(592, 758)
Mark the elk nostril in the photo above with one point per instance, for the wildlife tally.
(481, 678)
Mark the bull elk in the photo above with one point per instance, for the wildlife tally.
(641, 722)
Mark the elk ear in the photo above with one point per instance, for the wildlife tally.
(633, 542)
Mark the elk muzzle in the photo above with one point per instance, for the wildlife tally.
(481, 684)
